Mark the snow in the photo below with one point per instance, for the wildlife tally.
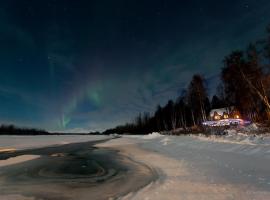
(165, 141)
(240, 135)
(17, 159)
(233, 166)
(192, 168)
(227, 122)
(11, 143)
(149, 136)
(220, 111)
(234, 163)
(251, 127)
(152, 136)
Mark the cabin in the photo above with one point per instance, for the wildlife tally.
(224, 113)
(225, 117)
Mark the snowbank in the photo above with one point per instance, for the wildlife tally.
(152, 136)
(149, 136)
(241, 134)
(251, 127)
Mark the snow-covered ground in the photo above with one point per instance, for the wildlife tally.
(250, 134)
(9, 143)
(234, 166)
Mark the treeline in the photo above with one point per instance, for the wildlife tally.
(189, 110)
(13, 130)
(244, 84)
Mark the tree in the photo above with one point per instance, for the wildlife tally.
(181, 108)
(196, 99)
(244, 83)
(216, 102)
(255, 78)
(267, 46)
(207, 106)
(220, 93)
(158, 118)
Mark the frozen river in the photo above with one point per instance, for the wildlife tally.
(187, 167)
(67, 168)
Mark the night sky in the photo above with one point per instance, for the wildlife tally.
(90, 65)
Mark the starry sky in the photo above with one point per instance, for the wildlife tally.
(69, 65)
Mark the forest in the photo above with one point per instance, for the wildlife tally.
(244, 84)
(13, 130)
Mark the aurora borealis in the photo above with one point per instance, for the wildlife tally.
(90, 65)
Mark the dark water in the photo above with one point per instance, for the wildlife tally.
(73, 171)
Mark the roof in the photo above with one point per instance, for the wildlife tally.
(220, 111)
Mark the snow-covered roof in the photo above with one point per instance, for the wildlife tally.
(220, 111)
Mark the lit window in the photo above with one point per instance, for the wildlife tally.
(217, 117)
(237, 116)
(226, 116)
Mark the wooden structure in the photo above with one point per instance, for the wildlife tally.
(224, 113)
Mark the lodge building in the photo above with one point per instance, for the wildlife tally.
(224, 113)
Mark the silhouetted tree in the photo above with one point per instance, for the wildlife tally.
(216, 102)
(181, 110)
(196, 99)
(267, 46)
(158, 118)
(244, 83)
(13, 130)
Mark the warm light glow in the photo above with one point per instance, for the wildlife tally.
(237, 116)
(226, 116)
(217, 117)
